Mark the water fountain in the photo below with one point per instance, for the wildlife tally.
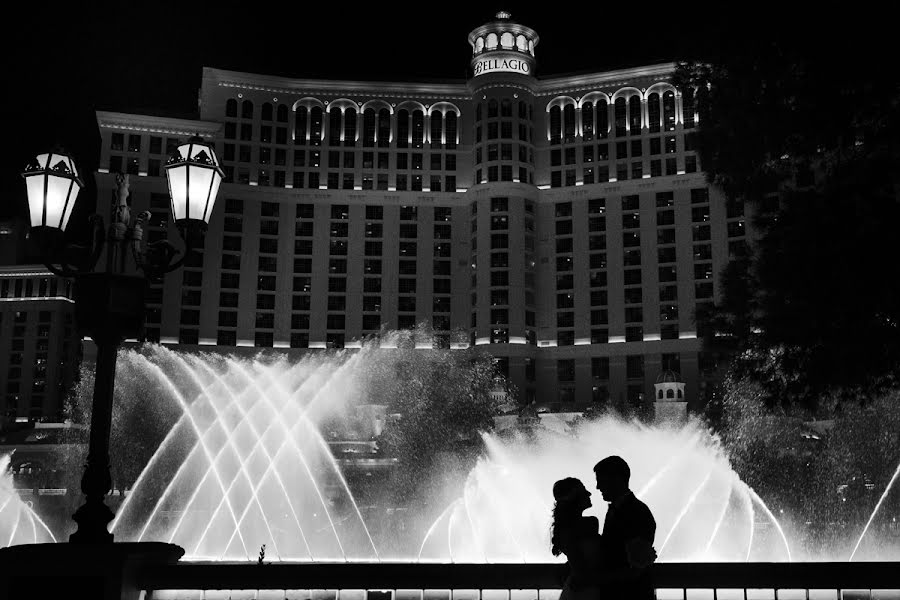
(702, 509)
(246, 464)
(18, 522)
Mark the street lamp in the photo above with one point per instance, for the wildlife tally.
(110, 303)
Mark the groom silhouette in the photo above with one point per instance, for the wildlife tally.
(628, 531)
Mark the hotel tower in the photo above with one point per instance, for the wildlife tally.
(562, 224)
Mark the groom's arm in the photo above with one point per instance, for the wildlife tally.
(639, 548)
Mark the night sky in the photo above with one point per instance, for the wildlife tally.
(139, 59)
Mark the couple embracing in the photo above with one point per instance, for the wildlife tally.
(612, 564)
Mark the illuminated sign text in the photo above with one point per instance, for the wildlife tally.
(501, 65)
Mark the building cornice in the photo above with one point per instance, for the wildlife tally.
(25, 270)
(591, 81)
(379, 89)
(151, 124)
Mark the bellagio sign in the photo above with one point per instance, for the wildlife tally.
(501, 64)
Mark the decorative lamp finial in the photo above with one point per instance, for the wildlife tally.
(503, 15)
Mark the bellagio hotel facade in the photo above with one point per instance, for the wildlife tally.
(562, 224)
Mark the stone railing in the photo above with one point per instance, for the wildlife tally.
(403, 581)
(152, 571)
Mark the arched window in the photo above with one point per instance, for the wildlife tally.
(350, 127)
(450, 135)
(569, 122)
(670, 393)
(653, 114)
(384, 128)
(506, 107)
(478, 111)
(402, 129)
(659, 394)
(300, 126)
(634, 115)
(521, 43)
(418, 129)
(479, 45)
(587, 121)
(687, 108)
(602, 127)
(531, 47)
(621, 117)
(680, 394)
(492, 41)
(492, 108)
(669, 110)
(437, 127)
(247, 109)
(334, 126)
(369, 128)
(231, 108)
(266, 112)
(282, 113)
(555, 125)
(315, 126)
(507, 40)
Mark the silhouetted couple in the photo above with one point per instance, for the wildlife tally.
(612, 564)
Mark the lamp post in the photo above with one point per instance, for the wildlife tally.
(110, 303)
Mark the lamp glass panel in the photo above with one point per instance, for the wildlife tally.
(178, 190)
(216, 181)
(71, 205)
(57, 194)
(35, 187)
(199, 186)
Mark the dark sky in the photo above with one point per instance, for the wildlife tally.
(138, 58)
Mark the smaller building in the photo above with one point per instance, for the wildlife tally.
(39, 348)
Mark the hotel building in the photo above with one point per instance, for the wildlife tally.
(562, 224)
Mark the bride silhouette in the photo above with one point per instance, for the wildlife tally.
(578, 538)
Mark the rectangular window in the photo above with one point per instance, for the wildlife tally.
(565, 370)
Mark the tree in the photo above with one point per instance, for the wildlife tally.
(140, 418)
(809, 137)
(444, 401)
(825, 468)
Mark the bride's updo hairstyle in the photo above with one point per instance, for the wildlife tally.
(565, 493)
